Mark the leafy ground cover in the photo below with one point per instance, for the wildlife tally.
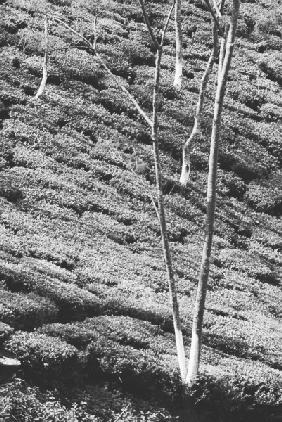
(83, 289)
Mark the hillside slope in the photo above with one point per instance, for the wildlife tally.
(83, 291)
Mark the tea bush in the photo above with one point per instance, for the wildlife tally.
(72, 301)
(24, 311)
(44, 358)
(120, 329)
(5, 332)
(265, 199)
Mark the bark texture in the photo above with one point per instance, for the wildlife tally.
(197, 325)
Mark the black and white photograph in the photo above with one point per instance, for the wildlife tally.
(140, 210)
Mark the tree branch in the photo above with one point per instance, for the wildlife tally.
(217, 9)
(167, 22)
(146, 19)
(94, 33)
(213, 13)
(187, 148)
(103, 64)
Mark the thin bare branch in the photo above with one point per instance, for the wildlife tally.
(221, 53)
(94, 33)
(167, 22)
(196, 131)
(213, 13)
(152, 35)
(103, 64)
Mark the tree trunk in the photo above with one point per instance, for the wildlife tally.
(196, 131)
(178, 47)
(162, 219)
(45, 61)
(197, 325)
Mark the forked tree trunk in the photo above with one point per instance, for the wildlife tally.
(197, 325)
(178, 47)
(45, 61)
(161, 211)
(196, 131)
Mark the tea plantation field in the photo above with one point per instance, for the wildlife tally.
(84, 300)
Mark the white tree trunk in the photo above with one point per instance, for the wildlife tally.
(162, 220)
(161, 209)
(178, 47)
(195, 350)
(45, 61)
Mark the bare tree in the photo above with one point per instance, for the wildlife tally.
(153, 124)
(178, 47)
(226, 50)
(45, 60)
(223, 69)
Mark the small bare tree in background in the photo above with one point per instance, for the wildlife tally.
(45, 61)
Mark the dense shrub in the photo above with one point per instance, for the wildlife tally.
(5, 332)
(44, 358)
(121, 329)
(138, 370)
(266, 199)
(272, 68)
(124, 348)
(271, 112)
(9, 189)
(26, 311)
(254, 266)
(70, 299)
(24, 403)
(234, 185)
